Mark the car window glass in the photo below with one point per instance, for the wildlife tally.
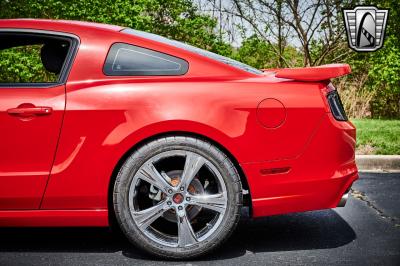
(27, 58)
(129, 60)
(23, 65)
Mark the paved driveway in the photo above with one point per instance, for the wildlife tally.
(365, 232)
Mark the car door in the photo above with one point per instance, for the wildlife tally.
(32, 103)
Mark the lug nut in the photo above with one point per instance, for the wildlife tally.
(169, 203)
(180, 208)
(182, 188)
(170, 191)
(187, 198)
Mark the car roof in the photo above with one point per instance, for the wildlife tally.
(50, 24)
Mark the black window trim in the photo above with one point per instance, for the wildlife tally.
(150, 75)
(67, 66)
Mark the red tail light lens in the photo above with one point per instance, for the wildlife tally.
(336, 106)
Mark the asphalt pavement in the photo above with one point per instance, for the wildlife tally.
(365, 232)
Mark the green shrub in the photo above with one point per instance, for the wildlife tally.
(23, 64)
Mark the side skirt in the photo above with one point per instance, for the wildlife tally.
(54, 218)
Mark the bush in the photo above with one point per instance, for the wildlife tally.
(23, 64)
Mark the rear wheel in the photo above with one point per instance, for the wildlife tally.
(177, 197)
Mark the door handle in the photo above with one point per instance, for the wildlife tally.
(30, 111)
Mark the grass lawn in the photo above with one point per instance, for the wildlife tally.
(376, 136)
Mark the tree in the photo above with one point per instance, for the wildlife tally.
(256, 52)
(177, 19)
(305, 24)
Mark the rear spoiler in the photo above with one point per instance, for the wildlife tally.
(318, 73)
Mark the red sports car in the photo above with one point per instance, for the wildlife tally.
(167, 140)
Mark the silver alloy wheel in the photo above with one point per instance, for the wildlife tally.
(178, 198)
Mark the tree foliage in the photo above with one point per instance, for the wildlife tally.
(260, 54)
(177, 19)
(23, 64)
(382, 67)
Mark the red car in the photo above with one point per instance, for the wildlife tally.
(166, 140)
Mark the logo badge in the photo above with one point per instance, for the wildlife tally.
(365, 26)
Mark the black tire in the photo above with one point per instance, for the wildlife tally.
(200, 147)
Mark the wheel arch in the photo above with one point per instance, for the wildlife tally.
(243, 178)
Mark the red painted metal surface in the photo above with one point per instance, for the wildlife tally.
(61, 165)
(271, 113)
(318, 73)
(53, 218)
(28, 143)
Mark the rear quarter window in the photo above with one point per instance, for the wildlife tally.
(130, 60)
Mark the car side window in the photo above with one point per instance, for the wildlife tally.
(130, 60)
(33, 59)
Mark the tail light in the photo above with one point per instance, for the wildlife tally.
(336, 106)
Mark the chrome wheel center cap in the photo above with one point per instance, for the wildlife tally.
(178, 198)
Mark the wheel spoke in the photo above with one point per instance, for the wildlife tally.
(145, 218)
(193, 164)
(150, 174)
(183, 190)
(186, 236)
(215, 202)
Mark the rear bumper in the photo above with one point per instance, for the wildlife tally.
(316, 179)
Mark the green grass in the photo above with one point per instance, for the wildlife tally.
(376, 136)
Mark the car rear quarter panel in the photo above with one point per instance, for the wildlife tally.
(104, 120)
